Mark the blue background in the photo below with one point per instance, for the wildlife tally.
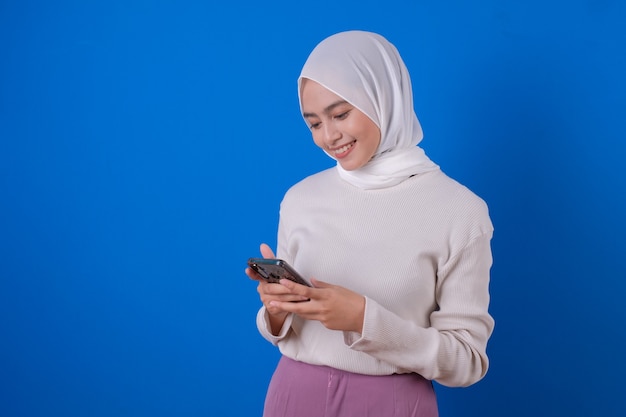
(145, 147)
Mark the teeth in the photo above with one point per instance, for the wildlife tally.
(343, 148)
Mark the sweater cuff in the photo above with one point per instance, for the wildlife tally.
(263, 323)
(353, 338)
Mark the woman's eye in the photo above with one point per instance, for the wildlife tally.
(315, 125)
(342, 116)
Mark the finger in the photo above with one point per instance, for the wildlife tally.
(266, 251)
(272, 289)
(295, 288)
(287, 298)
(288, 306)
(276, 292)
(252, 274)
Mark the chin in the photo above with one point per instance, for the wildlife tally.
(350, 167)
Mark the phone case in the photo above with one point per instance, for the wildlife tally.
(275, 269)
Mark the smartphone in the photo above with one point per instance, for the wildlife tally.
(273, 270)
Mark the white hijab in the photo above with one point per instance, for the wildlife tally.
(367, 71)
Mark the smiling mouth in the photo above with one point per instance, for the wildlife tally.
(344, 148)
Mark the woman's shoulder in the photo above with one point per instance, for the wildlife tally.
(453, 190)
(452, 199)
(314, 183)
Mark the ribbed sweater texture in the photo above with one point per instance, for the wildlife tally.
(420, 254)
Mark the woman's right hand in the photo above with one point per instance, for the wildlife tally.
(269, 292)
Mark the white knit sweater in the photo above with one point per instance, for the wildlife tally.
(420, 254)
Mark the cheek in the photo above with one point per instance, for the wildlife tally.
(373, 142)
(377, 141)
(375, 136)
(369, 133)
(317, 140)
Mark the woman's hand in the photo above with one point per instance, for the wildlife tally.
(272, 292)
(337, 308)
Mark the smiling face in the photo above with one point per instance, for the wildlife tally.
(338, 127)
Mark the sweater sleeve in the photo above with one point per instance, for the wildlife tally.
(452, 351)
(263, 324)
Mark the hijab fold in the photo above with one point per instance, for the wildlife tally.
(367, 71)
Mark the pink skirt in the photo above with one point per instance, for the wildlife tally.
(298, 389)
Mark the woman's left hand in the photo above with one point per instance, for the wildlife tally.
(337, 308)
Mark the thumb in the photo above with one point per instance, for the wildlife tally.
(266, 251)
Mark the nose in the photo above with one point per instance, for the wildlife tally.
(331, 134)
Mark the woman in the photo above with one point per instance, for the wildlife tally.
(398, 253)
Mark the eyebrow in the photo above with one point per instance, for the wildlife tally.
(328, 109)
